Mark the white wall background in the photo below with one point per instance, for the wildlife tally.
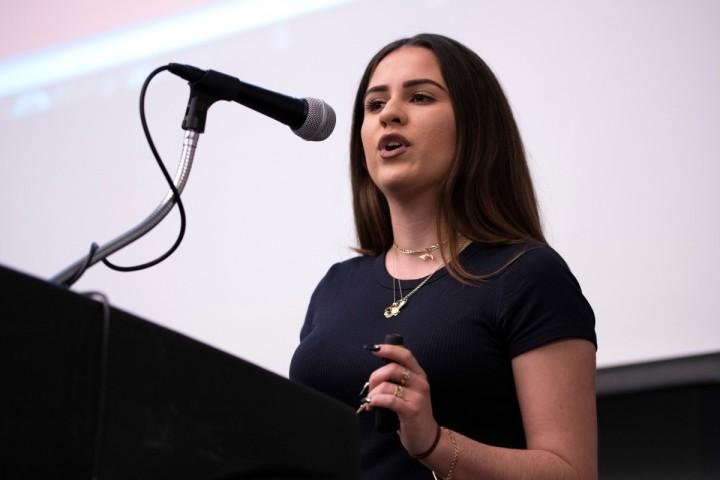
(618, 104)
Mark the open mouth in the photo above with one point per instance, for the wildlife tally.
(392, 145)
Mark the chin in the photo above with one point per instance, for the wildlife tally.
(393, 177)
(403, 188)
(390, 184)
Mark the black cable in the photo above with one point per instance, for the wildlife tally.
(102, 384)
(176, 199)
(93, 248)
(176, 194)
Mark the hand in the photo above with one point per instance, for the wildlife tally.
(402, 387)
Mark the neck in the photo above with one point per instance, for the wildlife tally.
(414, 226)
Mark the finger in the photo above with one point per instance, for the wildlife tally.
(384, 391)
(395, 373)
(402, 393)
(406, 406)
(401, 355)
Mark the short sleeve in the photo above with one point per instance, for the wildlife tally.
(308, 325)
(540, 301)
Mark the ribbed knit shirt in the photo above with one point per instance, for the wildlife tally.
(464, 337)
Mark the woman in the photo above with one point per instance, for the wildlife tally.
(496, 376)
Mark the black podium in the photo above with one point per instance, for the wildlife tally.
(163, 406)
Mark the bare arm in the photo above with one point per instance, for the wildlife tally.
(556, 391)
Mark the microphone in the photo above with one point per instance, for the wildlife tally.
(309, 118)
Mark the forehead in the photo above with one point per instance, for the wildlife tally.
(407, 63)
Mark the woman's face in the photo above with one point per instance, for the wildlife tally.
(408, 131)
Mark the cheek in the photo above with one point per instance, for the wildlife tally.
(444, 138)
(445, 141)
(451, 139)
(367, 143)
(449, 134)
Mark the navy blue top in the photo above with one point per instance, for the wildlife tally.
(463, 336)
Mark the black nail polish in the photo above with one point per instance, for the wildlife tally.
(371, 348)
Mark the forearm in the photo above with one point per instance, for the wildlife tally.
(556, 393)
(476, 460)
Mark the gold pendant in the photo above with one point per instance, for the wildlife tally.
(394, 309)
(426, 256)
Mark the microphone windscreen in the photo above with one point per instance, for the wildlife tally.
(319, 123)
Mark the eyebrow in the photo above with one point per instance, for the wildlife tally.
(406, 84)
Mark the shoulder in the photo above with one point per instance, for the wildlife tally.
(351, 266)
(498, 261)
(537, 267)
(541, 301)
(345, 271)
(537, 261)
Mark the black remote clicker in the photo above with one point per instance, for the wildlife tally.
(386, 421)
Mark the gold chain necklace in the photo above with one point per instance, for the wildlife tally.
(426, 255)
(393, 309)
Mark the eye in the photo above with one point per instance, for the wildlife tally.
(421, 97)
(374, 105)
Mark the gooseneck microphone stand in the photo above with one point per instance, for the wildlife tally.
(310, 119)
(181, 177)
(194, 124)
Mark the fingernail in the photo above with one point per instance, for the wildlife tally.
(365, 400)
(371, 348)
(364, 389)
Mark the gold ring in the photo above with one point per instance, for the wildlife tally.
(399, 391)
(405, 376)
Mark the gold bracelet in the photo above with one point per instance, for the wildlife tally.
(456, 454)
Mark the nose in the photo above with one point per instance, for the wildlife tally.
(393, 114)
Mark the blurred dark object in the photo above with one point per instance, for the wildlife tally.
(660, 420)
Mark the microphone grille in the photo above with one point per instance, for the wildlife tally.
(319, 123)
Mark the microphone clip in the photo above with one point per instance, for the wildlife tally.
(196, 110)
(206, 88)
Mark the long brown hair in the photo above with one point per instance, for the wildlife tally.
(488, 196)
